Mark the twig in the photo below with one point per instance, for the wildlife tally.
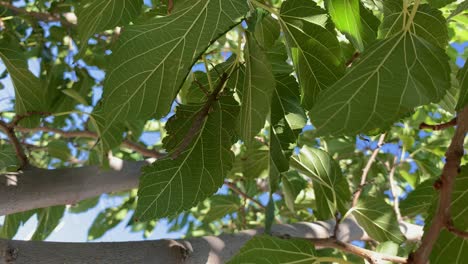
(88, 134)
(234, 188)
(370, 256)
(356, 55)
(453, 229)
(396, 199)
(18, 118)
(366, 169)
(450, 171)
(200, 118)
(438, 127)
(15, 143)
(170, 6)
(37, 15)
(336, 229)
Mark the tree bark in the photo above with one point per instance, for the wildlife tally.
(38, 188)
(209, 249)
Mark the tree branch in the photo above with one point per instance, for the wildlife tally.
(46, 17)
(391, 179)
(234, 188)
(370, 256)
(442, 126)
(452, 228)
(88, 134)
(209, 249)
(449, 173)
(15, 143)
(38, 188)
(366, 169)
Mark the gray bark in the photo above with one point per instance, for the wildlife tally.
(39, 188)
(209, 249)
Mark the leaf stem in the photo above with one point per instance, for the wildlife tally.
(208, 74)
(264, 6)
(412, 15)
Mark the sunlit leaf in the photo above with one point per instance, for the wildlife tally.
(271, 250)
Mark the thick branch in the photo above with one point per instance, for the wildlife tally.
(46, 17)
(366, 169)
(208, 249)
(88, 134)
(38, 188)
(447, 180)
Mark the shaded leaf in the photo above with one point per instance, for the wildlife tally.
(419, 200)
(221, 205)
(8, 159)
(257, 91)
(152, 59)
(378, 219)
(462, 77)
(59, 149)
(330, 186)
(170, 186)
(12, 223)
(450, 248)
(394, 76)
(293, 184)
(315, 50)
(97, 16)
(48, 220)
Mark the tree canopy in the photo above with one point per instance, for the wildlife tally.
(223, 116)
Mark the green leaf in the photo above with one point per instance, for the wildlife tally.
(389, 248)
(346, 15)
(462, 77)
(315, 50)
(96, 16)
(439, 3)
(12, 223)
(271, 250)
(450, 248)
(108, 219)
(419, 200)
(59, 149)
(169, 185)
(426, 17)
(378, 219)
(293, 184)
(267, 31)
(8, 159)
(330, 186)
(84, 206)
(287, 116)
(259, 83)
(221, 205)
(393, 77)
(27, 86)
(460, 8)
(48, 219)
(152, 59)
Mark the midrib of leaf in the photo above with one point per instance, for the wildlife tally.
(317, 178)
